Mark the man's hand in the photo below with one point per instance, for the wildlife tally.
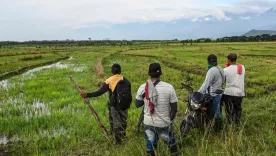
(83, 95)
(184, 100)
(226, 65)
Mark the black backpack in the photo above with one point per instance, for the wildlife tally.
(122, 95)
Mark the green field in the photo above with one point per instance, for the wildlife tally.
(41, 113)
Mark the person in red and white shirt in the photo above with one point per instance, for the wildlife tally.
(234, 90)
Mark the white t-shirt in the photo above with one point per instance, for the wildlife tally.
(161, 115)
(234, 81)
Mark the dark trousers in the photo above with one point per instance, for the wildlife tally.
(118, 123)
(233, 108)
(214, 113)
(216, 107)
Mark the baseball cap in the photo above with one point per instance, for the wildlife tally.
(155, 70)
(212, 59)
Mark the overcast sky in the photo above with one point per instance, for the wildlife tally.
(53, 19)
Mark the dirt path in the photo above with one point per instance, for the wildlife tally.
(99, 69)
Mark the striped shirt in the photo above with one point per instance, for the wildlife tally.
(161, 115)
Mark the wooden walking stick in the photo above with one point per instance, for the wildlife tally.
(93, 112)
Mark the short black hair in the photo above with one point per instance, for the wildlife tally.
(232, 57)
(116, 68)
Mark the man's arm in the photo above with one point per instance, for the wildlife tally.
(173, 104)
(225, 75)
(207, 82)
(139, 103)
(100, 92)
(139, 97)
(173, 110)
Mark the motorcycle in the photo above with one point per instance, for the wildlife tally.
(197, 113)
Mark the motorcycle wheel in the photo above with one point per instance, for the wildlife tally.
(184, 128)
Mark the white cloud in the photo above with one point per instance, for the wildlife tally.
(220, 15)
(194, 19)
(245, 18)
(173, 22)
(35, 19)
(207, 19)
(78, 13)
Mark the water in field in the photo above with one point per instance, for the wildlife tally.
(59, 131)
(4, 140)
(56, 65)
(34, 108)
(4, 84)
(37, 109)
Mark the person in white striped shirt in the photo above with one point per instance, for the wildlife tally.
(160, 108)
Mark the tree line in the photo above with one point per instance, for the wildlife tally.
(53, 43)
(89, 42)
(258, 38)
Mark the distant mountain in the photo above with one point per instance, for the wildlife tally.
(231, 24)
(259, 32)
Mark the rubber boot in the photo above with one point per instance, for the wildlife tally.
(174, 151)
(150, 153)
(218, 125)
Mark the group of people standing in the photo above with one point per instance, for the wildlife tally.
(159, 101)
(233, 78)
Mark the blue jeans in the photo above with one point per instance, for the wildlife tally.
(215, 107)
(152, 135)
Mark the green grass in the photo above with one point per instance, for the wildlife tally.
(43, 114)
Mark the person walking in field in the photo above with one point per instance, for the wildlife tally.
(213, 86)
(160, 108)
(234, 90)
(120, 98)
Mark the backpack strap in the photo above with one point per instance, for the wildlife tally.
(116, 88)
(209, 88)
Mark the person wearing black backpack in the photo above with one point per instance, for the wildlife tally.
(120, 98)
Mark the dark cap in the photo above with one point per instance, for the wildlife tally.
(155, 70)
(212, 59)
(232, 56)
